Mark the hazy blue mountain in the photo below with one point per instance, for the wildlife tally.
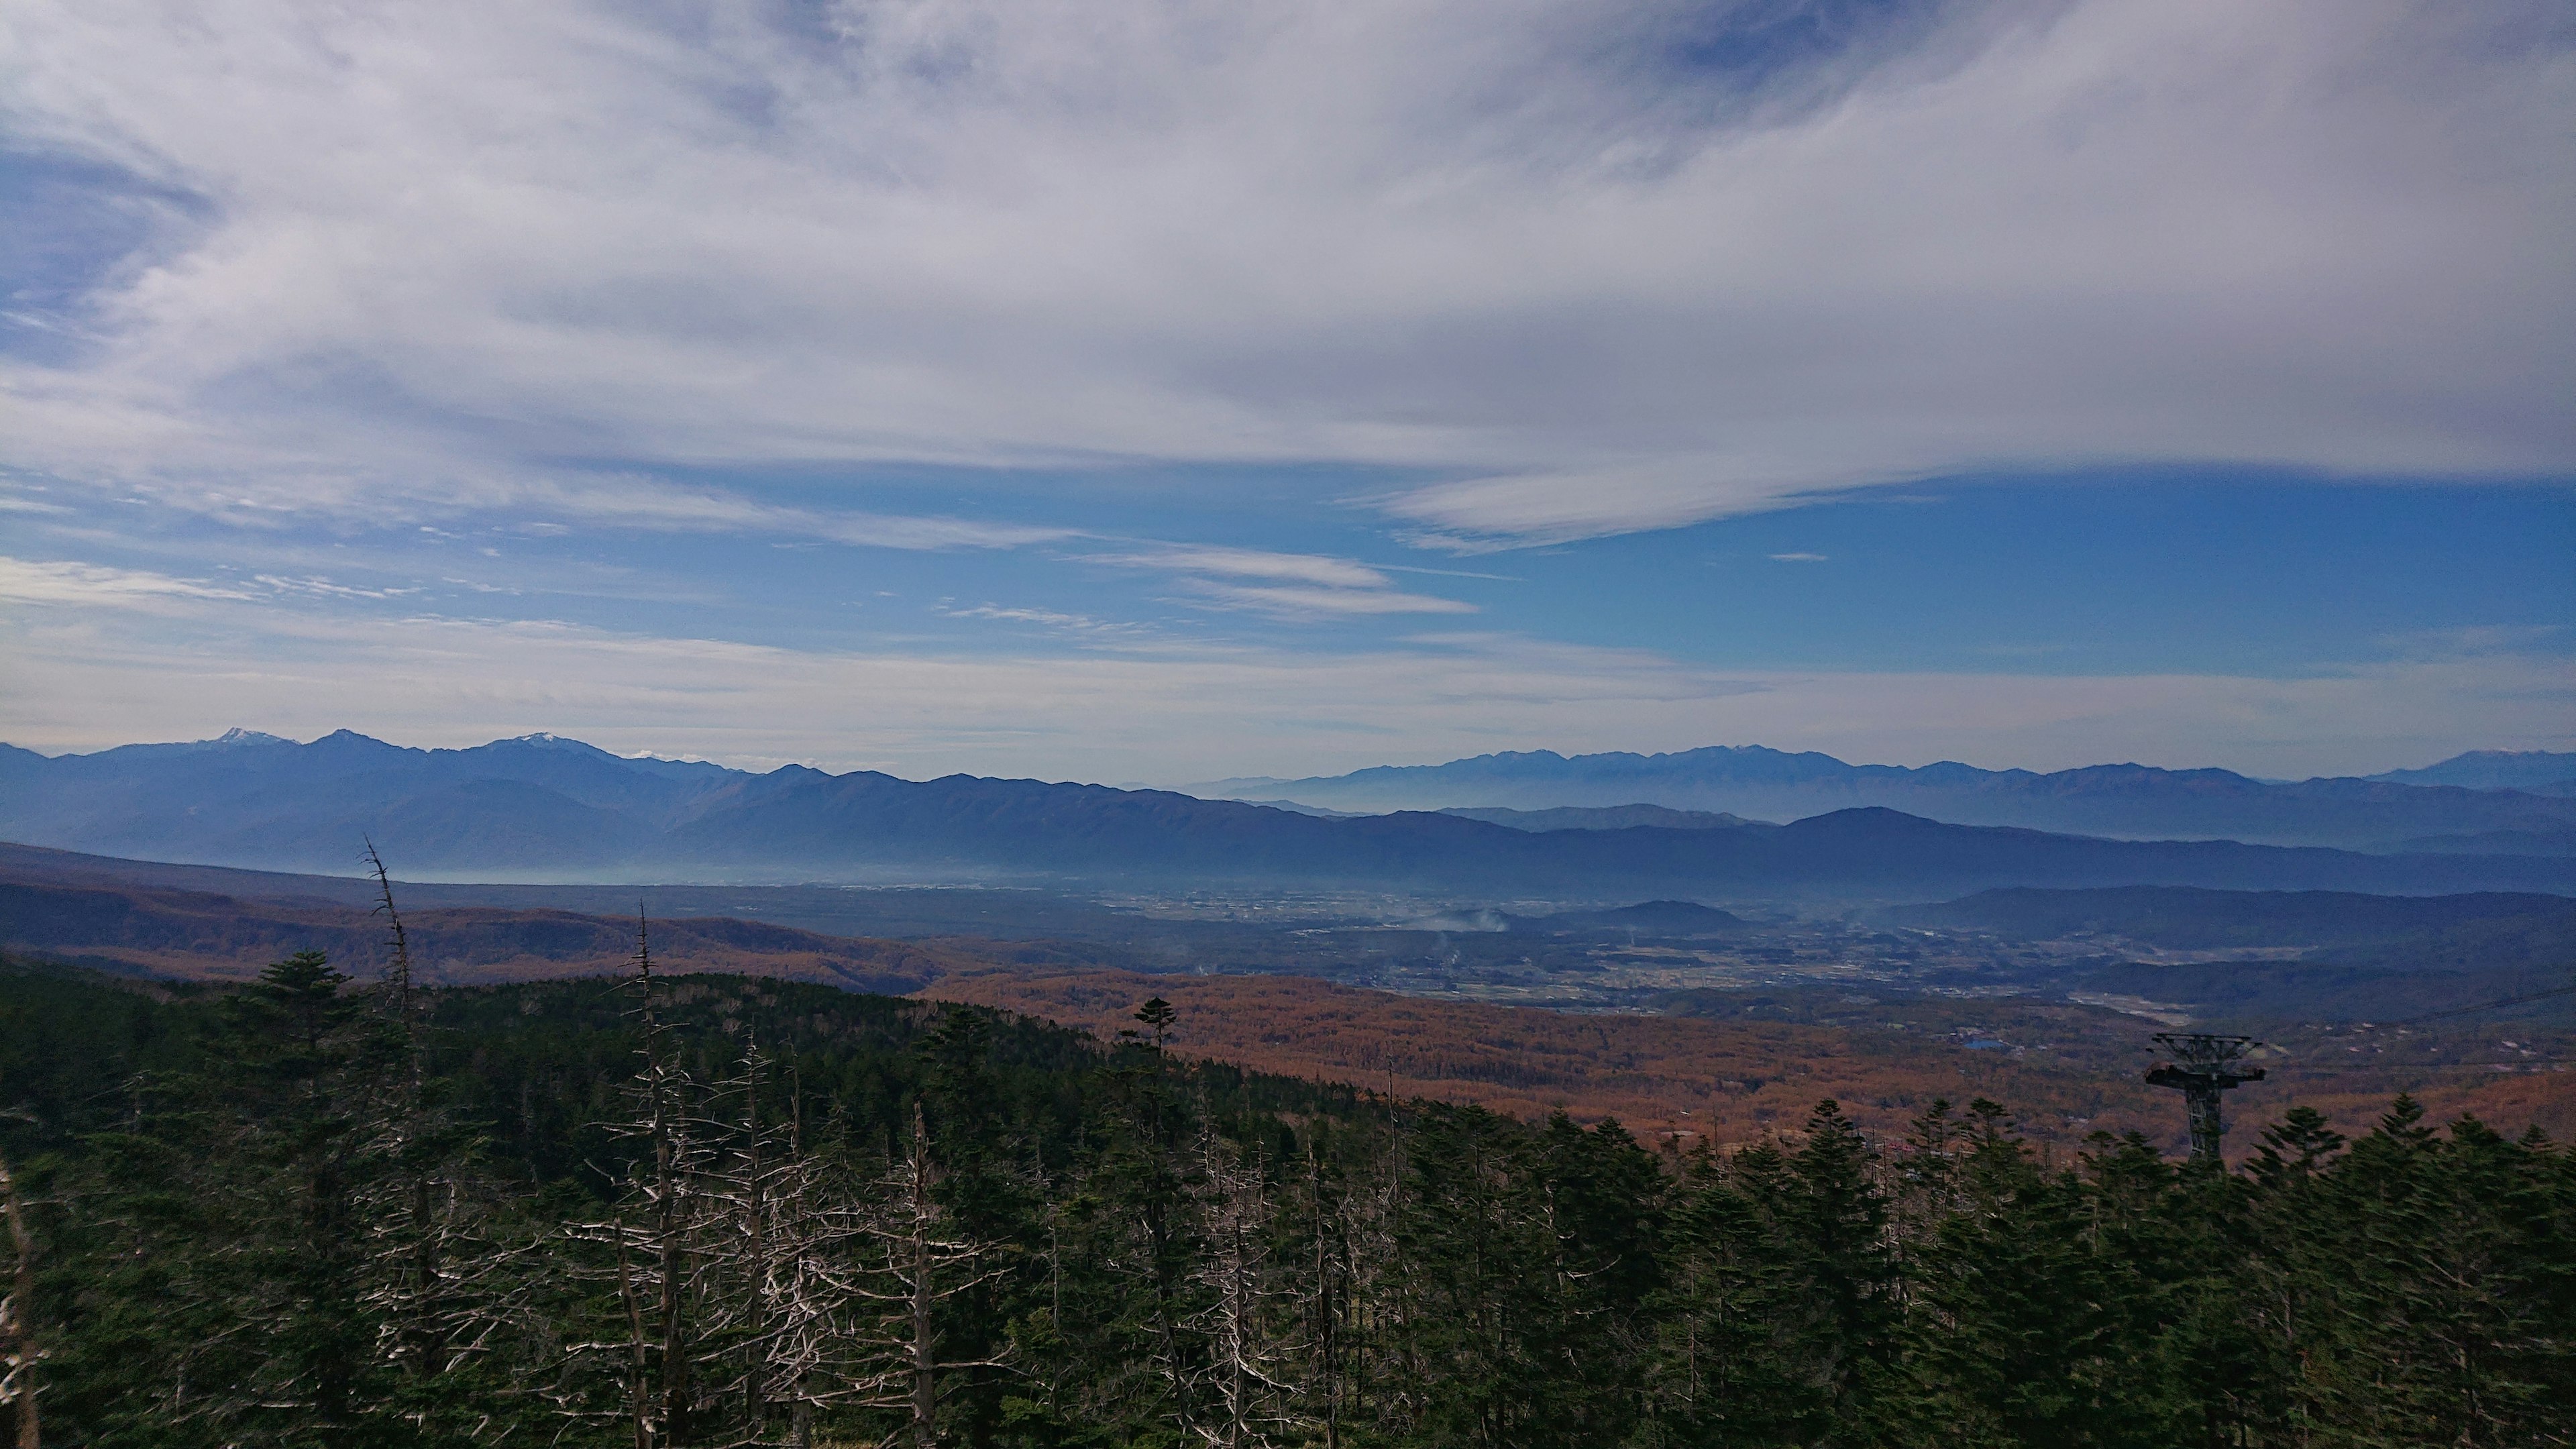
(543, 808)
(2129, 802)
(2495, 842)
(2542, 771)
(1590, 817)
(253, 798)
(1667, 920)
(1288, 805)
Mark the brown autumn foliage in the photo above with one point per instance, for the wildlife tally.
(1729, 1081)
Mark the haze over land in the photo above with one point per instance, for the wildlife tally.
(545, 807)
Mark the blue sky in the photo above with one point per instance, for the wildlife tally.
(1166, 391)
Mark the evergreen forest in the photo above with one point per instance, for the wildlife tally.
(714, 1211)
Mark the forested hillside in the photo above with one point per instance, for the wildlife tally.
(718, 1211)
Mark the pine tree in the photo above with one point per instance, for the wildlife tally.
(1478, 1253)
(1714, 1371)
(1138, 1229)
(1834, 1220)
(2015, 1329)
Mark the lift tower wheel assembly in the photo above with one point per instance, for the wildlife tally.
(2202, 1067)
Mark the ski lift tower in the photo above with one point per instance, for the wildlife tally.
(2202, 1067)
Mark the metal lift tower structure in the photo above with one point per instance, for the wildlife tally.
(2202, 1067)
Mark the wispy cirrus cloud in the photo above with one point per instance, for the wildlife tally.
(1301, 601)
(320, 588)
(44, 582)
(1294, 585)
(651, 503)
(1313, 569)
(1044, 618)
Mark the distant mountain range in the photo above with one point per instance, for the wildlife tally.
(1604, 817)
(2487, 801)
(545, 808)
(2542, 772)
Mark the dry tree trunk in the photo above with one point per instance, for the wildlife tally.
(667, 1206)
(925, 1355)
(1325, 1304)
(1261, 1337)
(412, 1264)
(18, 1351)
(917, 1263)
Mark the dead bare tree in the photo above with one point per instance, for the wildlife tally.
(917, 1260)
(439, 1287)
(19, 1352)
(746, 1268)
(656, 1241)
(776, 1330)
(1325, 1296)
(1252, 1353)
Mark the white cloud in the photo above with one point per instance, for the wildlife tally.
(34, 581)
(1294, 585)
(651, 504)
(424, 249)
(1797, 558)
(1048, 618)
(320, 588)
(1292, 600)
(1303, 568)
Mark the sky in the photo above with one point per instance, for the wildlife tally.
(1161, 390)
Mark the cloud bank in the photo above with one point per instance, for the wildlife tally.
(1574, 267)
(1168, 712)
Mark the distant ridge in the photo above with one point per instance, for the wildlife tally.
(543, 808)
(1666, 919)
(1583, 817)
(2128, 802)
(2538, 771)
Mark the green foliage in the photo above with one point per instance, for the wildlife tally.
(298, 1213)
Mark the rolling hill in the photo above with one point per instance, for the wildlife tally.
(197, 934)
